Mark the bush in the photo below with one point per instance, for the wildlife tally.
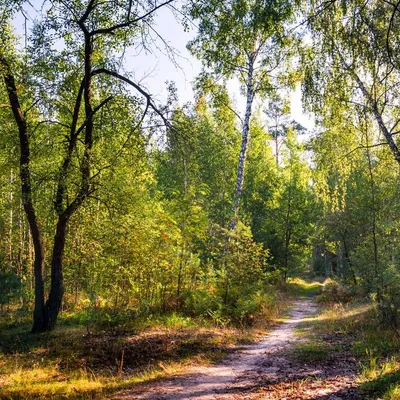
(248, 309)
(200, 302)
(10, 287)
(336, 292)
(242, 308)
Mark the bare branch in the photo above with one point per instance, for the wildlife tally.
(127, 24)
(365, 147)
(49, 121)
(395, 9)
(146, 95)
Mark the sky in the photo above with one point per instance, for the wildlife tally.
(152, 69)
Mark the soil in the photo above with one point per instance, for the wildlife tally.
(265, 370)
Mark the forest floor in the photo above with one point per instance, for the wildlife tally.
(291, 362)
(327, 351)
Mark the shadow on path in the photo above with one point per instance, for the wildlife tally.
(262, 371)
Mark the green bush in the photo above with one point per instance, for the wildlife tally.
(243, 307)
(200, 302)
(336, 292)
(247, 309)
(10, 287)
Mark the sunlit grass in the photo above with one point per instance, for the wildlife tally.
(70, 363)
(372, 368)
(376, 348)
(48, 382)
(93, 353)
(301, 288)
(336, 317)
(393, 393)
(26, 385)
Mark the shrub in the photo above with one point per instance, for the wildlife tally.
(10, 287)
(336, 292)
(200, 302)
(248, 309)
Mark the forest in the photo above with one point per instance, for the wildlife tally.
(142, 238)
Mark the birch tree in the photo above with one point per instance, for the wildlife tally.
(354, 61)
(243, 39)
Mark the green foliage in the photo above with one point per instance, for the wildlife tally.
(10, 287)
(151, 237)
(150, 244)
(385, 386)
(280, 202)
(337, 292)
(242, 27)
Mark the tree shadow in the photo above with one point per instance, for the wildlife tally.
(277, 374)
(106, 352)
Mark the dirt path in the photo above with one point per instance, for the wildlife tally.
(261, 371)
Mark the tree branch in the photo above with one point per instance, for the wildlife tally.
(87, 12)
(146, 95)
(365, 147)
(388, 50)
(102, 104)
(126, 24)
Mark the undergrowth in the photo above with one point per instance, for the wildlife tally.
(94, 351)
(376, 348)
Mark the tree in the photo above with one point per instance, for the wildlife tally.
(353, 60)
(246, 40)
(280, 202)
(279, 122)
(69, 89)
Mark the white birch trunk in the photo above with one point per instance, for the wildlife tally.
(245, 139)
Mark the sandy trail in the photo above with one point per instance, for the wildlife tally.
(234, 377)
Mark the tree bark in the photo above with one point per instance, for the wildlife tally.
(288, 230)
(53, 303)
(245, 139)
(39, 320)
(347, 257)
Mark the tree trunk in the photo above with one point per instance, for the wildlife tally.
(26, 189)
(378, 277)
(53, 303)
(245, 139)
(347, 257)
(38, 267)
(11, 219)
(288, 229)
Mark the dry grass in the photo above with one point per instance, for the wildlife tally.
(375, 347)
(69, 363)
